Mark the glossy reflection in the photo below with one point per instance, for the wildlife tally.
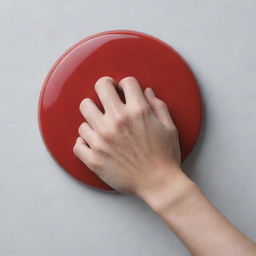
(116, 54)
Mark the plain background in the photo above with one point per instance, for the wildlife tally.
(45, 212)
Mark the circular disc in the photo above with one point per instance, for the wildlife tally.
(118, 54)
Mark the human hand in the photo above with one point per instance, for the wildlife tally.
(134, 145)
(134, 148)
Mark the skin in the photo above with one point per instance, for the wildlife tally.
(134, 148)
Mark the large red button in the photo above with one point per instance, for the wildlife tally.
(117, 54)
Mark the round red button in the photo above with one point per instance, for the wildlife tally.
(118, 54)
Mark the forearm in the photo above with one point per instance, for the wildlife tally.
(201, 227)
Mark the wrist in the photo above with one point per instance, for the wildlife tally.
(168, 193)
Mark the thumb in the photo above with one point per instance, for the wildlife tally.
(159, 108)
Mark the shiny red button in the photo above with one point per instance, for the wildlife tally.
(117, 54)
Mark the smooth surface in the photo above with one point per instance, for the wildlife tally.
(43, 211)
(117, 54)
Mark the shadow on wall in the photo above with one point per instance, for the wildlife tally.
(189, 165)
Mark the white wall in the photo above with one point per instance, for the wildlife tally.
(45, 212)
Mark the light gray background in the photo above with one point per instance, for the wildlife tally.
(45, 212)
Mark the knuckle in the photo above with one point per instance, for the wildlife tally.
(141, 111)
(97, 146)
(146, 109)
(94, 162)
(138, 113)
(120, 120)
(106, 134)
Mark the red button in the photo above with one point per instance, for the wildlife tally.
(117, 54)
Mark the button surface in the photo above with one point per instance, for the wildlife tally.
(118, 54)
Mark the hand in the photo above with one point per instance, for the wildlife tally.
(133, 146)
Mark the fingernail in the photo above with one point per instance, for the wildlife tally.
(150, 92)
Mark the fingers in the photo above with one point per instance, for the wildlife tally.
(106, 90)
(160, 108)
(135, 98)
(133, 93)
(91, 113)
(81, 150)
(86, 155)
(88, 135)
